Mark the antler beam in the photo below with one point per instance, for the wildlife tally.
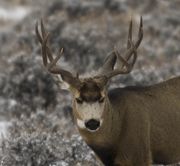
(51, 66)
(131, 52)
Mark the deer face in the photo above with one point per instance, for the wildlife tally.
(90, 94)
(89, 105)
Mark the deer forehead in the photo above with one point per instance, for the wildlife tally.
(90, 92)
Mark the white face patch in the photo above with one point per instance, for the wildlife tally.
(89, 111)
(81, 124)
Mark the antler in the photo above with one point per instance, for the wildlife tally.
(51, 66)
(131, 52)
(106, 71)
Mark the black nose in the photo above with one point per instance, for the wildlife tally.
(92, 124)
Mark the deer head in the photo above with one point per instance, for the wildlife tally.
(90, 95)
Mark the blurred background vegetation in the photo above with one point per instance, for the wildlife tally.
(35, 116)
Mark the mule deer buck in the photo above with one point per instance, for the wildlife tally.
(131, 126)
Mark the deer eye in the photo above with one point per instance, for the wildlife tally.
(101, 100)
(79, 100)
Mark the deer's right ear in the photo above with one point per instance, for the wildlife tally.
(61, 83)
(71, 82)
(67, 82)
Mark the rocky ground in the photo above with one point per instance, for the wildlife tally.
(35, 115)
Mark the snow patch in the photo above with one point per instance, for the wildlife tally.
(14, 13)
(3, 128)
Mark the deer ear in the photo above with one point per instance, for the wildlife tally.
(61, 83)
(68, 81)
(71, 81)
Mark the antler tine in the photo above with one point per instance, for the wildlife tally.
(44, 51)
(44, 34)
(43, 31)
(129, 34)
(130, 42)
(37, 33)
(43, 40)
(127, 55)
(140, 33)
(131, 52)
(119, 57)
(130, 49)
(130, 66)
(135, 54)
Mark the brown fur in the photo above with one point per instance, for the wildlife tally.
(141, 126)
(90, 91)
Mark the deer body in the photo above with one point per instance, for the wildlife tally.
(132, 126)
(139, 128)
